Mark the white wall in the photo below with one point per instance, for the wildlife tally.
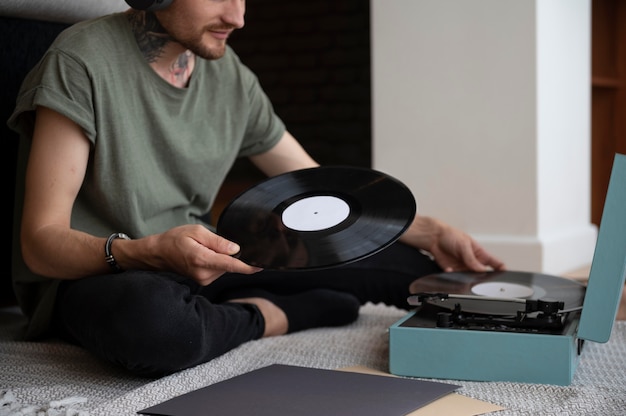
(482, 107)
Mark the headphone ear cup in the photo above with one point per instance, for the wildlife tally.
(149, 5)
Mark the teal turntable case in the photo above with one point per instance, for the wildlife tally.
(418, 350)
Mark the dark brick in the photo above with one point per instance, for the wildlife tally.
(313, 60)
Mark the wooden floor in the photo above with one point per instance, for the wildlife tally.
(621, 312)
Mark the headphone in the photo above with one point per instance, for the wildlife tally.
(149, 5)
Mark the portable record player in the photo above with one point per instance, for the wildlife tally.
(515, 326)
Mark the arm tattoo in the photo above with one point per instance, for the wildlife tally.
(149, 33)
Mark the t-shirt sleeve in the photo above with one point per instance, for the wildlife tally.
(60, 83)
(264, 128)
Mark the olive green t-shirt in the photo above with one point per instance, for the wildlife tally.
(158, 153)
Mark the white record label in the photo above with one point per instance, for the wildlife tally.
(502, 290)
(315, 213)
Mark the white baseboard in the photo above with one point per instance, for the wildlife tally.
(556, 253)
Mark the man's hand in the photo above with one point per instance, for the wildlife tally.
(189, 250)
(451, 248)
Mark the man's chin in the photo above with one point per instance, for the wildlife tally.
(210, 52)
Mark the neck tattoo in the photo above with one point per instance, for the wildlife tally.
(150, 35)
(152, 39)
(180, 70)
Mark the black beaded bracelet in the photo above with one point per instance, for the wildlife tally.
(108, 256)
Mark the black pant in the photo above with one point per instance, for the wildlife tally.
(155, 323)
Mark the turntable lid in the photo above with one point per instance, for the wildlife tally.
(608, 268)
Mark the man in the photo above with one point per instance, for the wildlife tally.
(128, 127)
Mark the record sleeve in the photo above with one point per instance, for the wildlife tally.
(317, 218)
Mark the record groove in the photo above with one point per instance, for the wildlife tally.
(317, 218)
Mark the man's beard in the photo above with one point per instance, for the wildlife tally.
(198, 48)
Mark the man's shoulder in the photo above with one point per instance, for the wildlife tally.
(97, 31)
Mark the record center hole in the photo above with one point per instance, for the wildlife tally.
(315, 213)
(502, 290)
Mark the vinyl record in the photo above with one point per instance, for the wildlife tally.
(317, 218)
(496, 293)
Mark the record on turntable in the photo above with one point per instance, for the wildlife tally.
(317, 218)
(498, 292)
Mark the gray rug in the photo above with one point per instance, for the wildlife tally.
(56, 379)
